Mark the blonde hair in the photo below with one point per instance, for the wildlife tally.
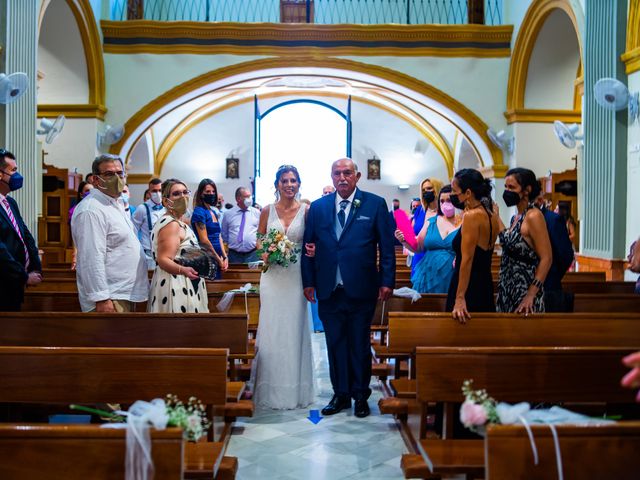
(437, 186)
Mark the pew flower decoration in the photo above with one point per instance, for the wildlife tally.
(478, 408)
(160, 413)
(276, 249)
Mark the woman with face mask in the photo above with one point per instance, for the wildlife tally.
(83, 190)
(206, 223)
(434, 271)
(429, 191)
(175, 288)
(471, 288)
(526, 249)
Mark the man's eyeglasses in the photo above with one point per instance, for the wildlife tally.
(121, 174)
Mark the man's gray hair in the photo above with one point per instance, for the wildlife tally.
(103, 158)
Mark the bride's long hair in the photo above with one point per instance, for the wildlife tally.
(281, 171)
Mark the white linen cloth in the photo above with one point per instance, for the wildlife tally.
(110, 263)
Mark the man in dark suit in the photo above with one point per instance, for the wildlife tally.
(555, 300)
(19, 260)
(348, 229)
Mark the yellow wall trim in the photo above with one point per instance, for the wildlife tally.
(529, 115)
(92, 44)
(533, 21)
(215, 107)
(631, 57)
(305, 39)
(631, 60)
(139, 178)
(404, 80)
(72, 111)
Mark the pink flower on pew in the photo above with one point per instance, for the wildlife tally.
(472, 414)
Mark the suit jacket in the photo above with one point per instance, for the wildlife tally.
(561, 247)
(367, 231)
(12, 259)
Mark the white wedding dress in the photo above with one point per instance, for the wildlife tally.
(282, 372)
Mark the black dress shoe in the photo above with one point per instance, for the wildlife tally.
(361, 409)
(336, 404)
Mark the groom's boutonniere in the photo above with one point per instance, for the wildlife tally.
(356, 203)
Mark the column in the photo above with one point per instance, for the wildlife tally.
(604, 167)
(18, 36)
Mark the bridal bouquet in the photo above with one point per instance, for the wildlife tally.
(276, 249)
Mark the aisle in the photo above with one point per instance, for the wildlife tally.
(287, 445)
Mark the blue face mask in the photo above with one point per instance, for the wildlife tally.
(15, 181)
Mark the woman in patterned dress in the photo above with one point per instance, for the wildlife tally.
(526, 249)
(175, 288)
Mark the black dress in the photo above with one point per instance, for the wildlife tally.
(479, 295)
(517, 269)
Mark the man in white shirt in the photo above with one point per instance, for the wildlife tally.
(145, 217)
(111, 268)
(240, 227)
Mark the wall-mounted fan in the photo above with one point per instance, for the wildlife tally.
(567, 134)
(111, 135)
(13, 86)
(613, 95)
(500, 140)
(51, 128)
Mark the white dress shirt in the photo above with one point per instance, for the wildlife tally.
(231, 227)
(339, 228)
(110, 263)
(140, 220)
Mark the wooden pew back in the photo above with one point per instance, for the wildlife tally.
(79, 452)
(410, 330)
(533, 374)
(151, 330)
(595, 452)
(113, 375)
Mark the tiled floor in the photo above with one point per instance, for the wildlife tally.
(286, 445)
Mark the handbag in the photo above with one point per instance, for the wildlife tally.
(201, 260)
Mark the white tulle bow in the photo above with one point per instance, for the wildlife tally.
(407, 292)
(227, 299)
(141, 415)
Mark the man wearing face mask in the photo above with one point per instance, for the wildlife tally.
(111, 268)
(239, 228)
(19, 261)
(125, 197)
(146, 215)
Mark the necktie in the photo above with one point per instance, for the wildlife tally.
(341, 214)
(241, 230)
(5, 203)
(157, 207)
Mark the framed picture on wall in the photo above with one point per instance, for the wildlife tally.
(373, 169)
(233, 167)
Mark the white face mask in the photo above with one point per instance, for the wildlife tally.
(248, 202)
(156, 197)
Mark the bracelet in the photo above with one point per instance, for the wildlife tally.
(536, 283)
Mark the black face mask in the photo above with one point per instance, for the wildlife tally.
(396, 207)
(456, 202)
(210, 198)
(510, 198)
(428, 197)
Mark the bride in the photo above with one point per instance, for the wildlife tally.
(282, 375)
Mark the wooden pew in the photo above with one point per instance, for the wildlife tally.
(65, 375)
(137, 330)
(509, 374)
(79, 452)
(594, 452)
